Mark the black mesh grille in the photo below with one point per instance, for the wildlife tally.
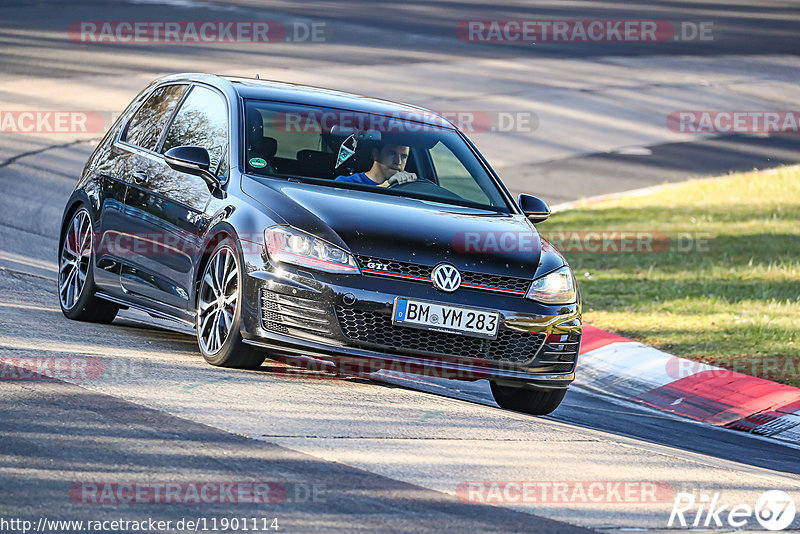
(492, 281)
(373, 328)
(559, 368)
(271, 317)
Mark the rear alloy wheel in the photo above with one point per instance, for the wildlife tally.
(75, 277)
(219, 313)
(532, 401)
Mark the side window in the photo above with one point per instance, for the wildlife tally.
(202, 120)
(146, 126)
(454, 177)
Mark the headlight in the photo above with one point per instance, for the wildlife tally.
(557, 287)
(288, 245)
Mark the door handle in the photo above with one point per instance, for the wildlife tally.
(140, 176)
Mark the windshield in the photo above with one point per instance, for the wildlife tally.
(379, 153)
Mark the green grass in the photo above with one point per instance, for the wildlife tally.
(727, 288)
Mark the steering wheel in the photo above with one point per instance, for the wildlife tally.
(419, 179)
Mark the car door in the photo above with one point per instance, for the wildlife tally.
(170, 207)
(128, 159)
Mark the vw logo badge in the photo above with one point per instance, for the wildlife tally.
(445, 277)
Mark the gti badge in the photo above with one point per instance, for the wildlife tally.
(378, 266)
(445, 277)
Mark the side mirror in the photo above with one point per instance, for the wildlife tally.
(191, 160)
(534, 208)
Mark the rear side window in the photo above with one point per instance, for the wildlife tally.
(146, 126)
(202, 121)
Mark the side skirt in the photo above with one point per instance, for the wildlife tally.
(155, 313)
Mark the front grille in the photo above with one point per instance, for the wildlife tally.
(519, 285)
(479, 281)
(376, 331)
(285, 314)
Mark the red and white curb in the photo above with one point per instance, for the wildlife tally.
(634, 371)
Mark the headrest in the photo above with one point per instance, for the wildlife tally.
(265, 147)
(255, 123)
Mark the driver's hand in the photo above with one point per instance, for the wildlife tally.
(402, 177)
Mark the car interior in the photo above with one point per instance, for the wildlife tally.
(307, 162)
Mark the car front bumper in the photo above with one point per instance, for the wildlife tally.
(346, 319)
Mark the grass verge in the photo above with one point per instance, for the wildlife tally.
(711, 270)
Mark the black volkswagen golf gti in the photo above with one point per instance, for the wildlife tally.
(289, 221)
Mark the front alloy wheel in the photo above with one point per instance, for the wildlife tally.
(75, 277)
(219, 313)
(217, 299)
(74, 263)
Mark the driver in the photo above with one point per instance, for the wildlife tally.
(389, 162)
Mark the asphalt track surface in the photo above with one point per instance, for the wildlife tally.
(385, 454)
(161, 414)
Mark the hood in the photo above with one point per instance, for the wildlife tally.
(410, 230)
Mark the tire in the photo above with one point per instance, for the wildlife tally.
(531, 401)
(76, 289)
(219, 315)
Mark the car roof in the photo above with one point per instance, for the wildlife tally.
(316, 96)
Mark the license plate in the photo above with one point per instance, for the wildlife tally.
(445, 318)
